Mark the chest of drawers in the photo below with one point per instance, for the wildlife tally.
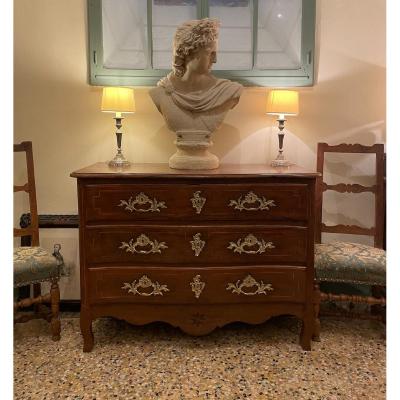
(196, 249)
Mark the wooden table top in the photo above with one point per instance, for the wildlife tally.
(103, 170)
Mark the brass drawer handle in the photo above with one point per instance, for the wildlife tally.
(252, 198)
(143, 241)
(197, 244)
(248, 282)
(144, 283)
(198, 202)
(250, 241)
(141, 199)
(197, 286)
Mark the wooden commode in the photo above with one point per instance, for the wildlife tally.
(196, 249)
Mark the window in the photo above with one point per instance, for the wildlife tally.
(261, 42)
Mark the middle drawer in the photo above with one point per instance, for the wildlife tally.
(201, 244)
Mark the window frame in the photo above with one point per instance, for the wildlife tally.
(101, 76)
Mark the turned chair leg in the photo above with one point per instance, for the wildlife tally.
(36, 293)
(317, 323)
(377, 309)
(55, 307)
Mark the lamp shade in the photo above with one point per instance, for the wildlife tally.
(284, 102)
(118, 100)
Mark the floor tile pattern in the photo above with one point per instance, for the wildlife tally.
(236, 362)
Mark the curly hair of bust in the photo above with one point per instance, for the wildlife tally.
(190, 37)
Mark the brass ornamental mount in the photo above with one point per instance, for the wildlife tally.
(198, 202)
(250, 241)
(249, 282)
(145, 283)
(197, 286)
(140, 200)
(197, 244)
(260, 203)
(143, 241)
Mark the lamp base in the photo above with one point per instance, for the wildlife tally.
(280, 163)
(119, 161)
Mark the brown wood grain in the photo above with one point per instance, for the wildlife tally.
(148, 171)
(30, 188)
(106, 269)
(21, 188)
(32, 231)
(377, 231)
(272, 201)
(197, 320)
(350, 148)
(288, 284)
(103, 244)
(349, 188)
(24, 232)
(348, 229)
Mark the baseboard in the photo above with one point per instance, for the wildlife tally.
(70, 305)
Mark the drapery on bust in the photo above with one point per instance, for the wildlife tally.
(192, 101)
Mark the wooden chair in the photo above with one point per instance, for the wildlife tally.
(33, 264)
(345, 262)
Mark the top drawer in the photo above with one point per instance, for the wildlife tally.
(158, 202)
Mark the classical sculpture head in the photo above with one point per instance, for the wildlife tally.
(192, 101)
(193, 37)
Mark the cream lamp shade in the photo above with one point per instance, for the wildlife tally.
(283, 102)
(118, 100)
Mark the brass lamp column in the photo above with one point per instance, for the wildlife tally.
(118, 100)
(281, 103)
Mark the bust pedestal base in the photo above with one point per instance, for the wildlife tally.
(192, 152)
(193, 159)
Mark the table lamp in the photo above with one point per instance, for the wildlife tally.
(281, 103)
(118, 100)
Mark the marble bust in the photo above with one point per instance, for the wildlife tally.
(192, 101)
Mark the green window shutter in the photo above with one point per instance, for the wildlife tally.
(303, 75)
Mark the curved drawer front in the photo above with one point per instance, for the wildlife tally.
(201, 244)
(195, 285)
(147, 202)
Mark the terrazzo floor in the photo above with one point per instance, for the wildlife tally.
(238, 361)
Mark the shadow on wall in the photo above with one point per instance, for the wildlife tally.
(163, 142)
(225, 140)
(348, 208)
(351, 169)
(345, 108)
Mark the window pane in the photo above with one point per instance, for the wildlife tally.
(279, 34)
(167, 15)
(235, 34)
(124, 25)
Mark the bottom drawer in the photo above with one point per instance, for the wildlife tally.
(162, 285)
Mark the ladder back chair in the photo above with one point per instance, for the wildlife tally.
(345, 262)
(33, 264)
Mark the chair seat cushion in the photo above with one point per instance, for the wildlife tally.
(34, 264)
(350, 263)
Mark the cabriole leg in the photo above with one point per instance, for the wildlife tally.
(307, 330)
(86, 330)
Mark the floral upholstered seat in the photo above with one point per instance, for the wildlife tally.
(351, 263)
(35, 264)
